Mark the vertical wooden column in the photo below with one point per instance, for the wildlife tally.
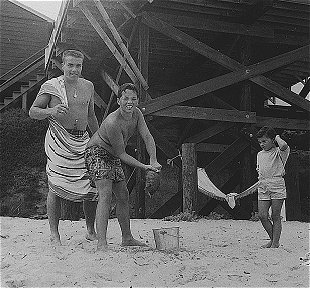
(189, 176)
(141, 151)
(246, 104)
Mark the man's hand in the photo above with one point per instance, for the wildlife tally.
(150, 167)
(58, 110)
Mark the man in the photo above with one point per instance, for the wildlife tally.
(103, 156)
(67, 102)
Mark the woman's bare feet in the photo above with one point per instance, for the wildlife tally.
(133, 242)
(268, 245)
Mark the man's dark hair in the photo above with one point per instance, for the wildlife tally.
(266, 131)
(126, 86)
(73, 53)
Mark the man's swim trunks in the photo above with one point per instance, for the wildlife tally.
(100, 164)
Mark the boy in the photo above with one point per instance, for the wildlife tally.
(271, 191)
(103, 156)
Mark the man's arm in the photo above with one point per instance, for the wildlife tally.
(148, 140)
(92, 119)
(40, 111)
(116, 140)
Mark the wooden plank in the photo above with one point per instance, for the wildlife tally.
(207, 114)
(216, 26)
(229, 79)
(119, 41)
(189, 177)
(208, 133)
(227, 156)
(305, 90)
(209, 147)
(284, 123)
(107, 41)
(222, 59)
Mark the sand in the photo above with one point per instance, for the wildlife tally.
(213, 253)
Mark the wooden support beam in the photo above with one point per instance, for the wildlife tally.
(283, 123)
(209, 147)
(227, 62)
(305, 90)
(227, 156)
(216, 26)
(110, 82)
(207, 114)
(107, 41)
(189, 177)
(208, 133)
(120, 43)
(229, 79)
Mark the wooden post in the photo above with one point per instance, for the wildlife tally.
(189, 175)
(246, 166)
(141, 151)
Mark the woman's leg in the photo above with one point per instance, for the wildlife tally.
(276, 206)
(263, 214)
(104, 188)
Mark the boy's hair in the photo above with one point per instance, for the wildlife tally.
(73, 53)
(126, 86)
(266, 131)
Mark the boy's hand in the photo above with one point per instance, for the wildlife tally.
(150, 167)
(156, 165)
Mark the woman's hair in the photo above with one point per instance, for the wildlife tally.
(73, 53)
(266, 131)
(127, 86)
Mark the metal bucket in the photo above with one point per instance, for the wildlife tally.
(167, 238)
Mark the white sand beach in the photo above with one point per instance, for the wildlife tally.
(213, 253)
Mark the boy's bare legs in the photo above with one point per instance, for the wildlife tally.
(122, 212)
(89, 208)
(53, 213)
(276, 205)
(104, 188)
(263, 214)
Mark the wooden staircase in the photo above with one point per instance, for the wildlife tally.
(25, 80)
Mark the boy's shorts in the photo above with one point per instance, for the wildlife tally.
(101, 164)
(271, 189)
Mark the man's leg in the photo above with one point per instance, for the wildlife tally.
(104, 188)
(276, 205)
(263, 214)
(53, 213)
(89, 208)
(122, 212)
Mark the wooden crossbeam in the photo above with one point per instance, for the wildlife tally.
(208, 133)
(107, 41)
(210, 147)
(207, 114)
(226, 61)
(217, 26)
(283, 123)
(229, 79)
(227, 156)
(305, 90)
(119, 41)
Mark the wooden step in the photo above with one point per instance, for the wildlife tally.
(40, 76)
(15, 94)
(24, 88)
(8, 100)
(32, 82)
